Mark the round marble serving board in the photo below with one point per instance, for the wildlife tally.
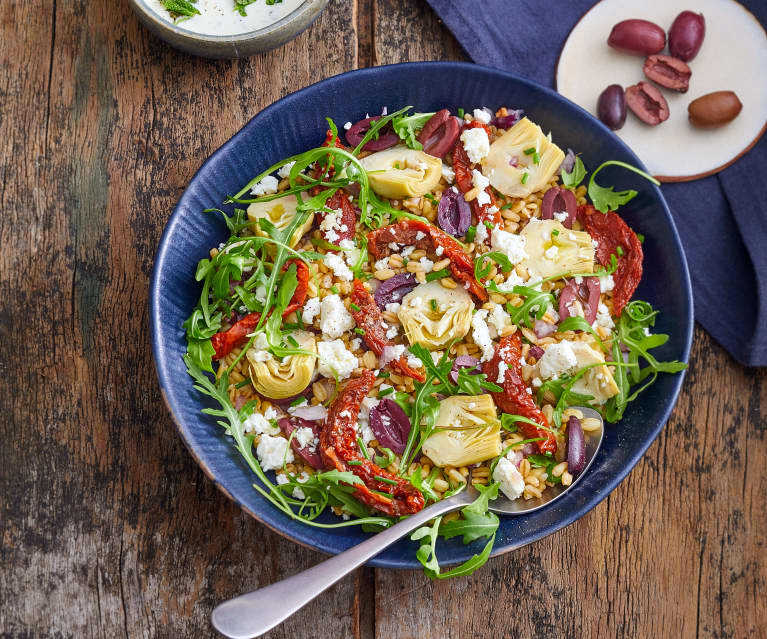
(733, 57)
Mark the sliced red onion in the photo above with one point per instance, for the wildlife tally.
(530, 448)
(514, 161)
(390, 425)
(576, 447)
(543, 329)
(568, 163)
(394, 289)
(311, 413)
(453, 213)
(536, 352)
(464, 361)
(508, 121)
(587, 293)
(240, 402)
(386, 137)
(310, 455)
(559, 199)
(515, 457)
(439, 134)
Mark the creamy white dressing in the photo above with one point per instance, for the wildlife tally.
(218, 17)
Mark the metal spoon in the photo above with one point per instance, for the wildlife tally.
(257, 612)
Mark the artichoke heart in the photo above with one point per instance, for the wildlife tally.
(468, 431)
(552, 249)
(400, 172)
(433, 315)
(279, 212)
(522, 150)
(283, 378)
(597, 381)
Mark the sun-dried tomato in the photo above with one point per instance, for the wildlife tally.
(338, 447)
(347, 221)
(462, 166)
(370, 320)
(516, 397)
(225, 341)
(612, 233)
(428, 237)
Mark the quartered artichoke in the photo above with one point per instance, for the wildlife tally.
(279, 212)
(467, 432)
(277, 378)
(433, 315)
(598, 381)
(400, 172)
(507, 163)
(553, 249)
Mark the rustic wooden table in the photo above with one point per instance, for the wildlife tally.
(107, 526)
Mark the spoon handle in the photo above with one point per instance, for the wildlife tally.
(254, 613)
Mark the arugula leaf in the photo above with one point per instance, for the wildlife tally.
(575, 177)
(482, 270)
(201, 352)
(405, 126)
(533, 308)
(471, 564)
(578, 323)
(385, 462)
(477, 520)
(423, 485)
(197, 328)
(605, 199)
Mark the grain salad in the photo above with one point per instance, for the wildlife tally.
(421, 302)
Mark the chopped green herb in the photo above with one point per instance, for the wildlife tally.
(437, 275)
(640, 237)
(470, 233)
(530, 151)
(555, 232)
(334, 289)
(619, 251)
(461, 113)
(354, 306)
(386, 480)
(433, 304)
(181, 8)
(536, 158)
(354, 462)
(359, 331)
(524, 178)
(363, 448)
(385, 392)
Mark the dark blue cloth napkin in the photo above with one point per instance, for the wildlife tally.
(722, 219)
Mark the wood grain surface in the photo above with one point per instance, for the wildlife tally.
(108, 528)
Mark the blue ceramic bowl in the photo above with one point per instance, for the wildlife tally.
(296, 123)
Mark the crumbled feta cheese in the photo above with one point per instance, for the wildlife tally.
(448, 173)
(352, 253)
(560, 216)
(603, 318)
(392, 332)
(306, 438)
(426, 264)
(407, 251)
(481, 234)
(311, 310)
(301, 479)
(439, 250)
(594, 243)
(393, 307)
(436, 356)
(265, 186)
(498, 319)
(363, 419)
(476, 144)
(330, 225)
(355, 344)
(480, 115)
(347, 126)
(271, 413)
(537, 382)
(502, 368)
(284, 170)
(335, 319)
(551, 253)
(413, 361)
(420, 235)
(335, 357)
(479, 180)
(606, 283)
(394, 246)
(259, 424)
(481, 334)
(382, 264)
(483, 197)
(513, 246)
(336, 264)
(272, 450)
(511, 480)
(558, 359)
(512, 280)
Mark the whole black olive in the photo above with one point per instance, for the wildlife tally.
(611, 107)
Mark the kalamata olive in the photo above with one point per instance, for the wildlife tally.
(647, 103)
(686, 35)
(386, 137)
(310, 455)
(637, 36)
(586, 294)
(558, 200)
(390, 425)
(509, 120)
(611, 107)
(464, 361)
(439, 134)
(714, 108)
(669, 72)
(453, 213)
(576, 447)
(394, 289)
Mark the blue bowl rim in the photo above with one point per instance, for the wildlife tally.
(409, 564)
